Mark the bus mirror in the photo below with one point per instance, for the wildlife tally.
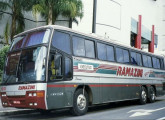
(57, 61)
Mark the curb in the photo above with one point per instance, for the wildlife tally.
(13, 112)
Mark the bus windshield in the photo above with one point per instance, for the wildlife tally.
(25, 66)
(30, 39)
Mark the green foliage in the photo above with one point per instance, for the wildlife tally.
(51, 9)
(17, 8)
(3, 53)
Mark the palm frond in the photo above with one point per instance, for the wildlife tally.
(6, 33)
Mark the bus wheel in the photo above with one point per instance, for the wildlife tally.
(152, 95)
(143, 96)
(80, 102)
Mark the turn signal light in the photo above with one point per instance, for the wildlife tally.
(40, 94)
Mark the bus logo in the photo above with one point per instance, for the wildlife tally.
(28, 87)
(128, 71)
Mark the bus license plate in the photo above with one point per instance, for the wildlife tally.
(16, 102)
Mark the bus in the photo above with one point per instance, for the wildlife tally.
(53, 67)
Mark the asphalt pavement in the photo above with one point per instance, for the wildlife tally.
(128, 110)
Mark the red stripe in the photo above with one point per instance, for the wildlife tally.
(97, 85)
(60, 85)
(114, 85)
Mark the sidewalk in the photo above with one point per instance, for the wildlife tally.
(11, 111)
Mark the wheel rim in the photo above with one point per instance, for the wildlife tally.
(153, 95)
(81, 102)
(144, 96)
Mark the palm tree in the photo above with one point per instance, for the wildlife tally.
(51, 9)
(16, 8)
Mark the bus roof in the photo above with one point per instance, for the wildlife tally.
(84, 34)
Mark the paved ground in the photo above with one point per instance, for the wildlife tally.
(113, 111)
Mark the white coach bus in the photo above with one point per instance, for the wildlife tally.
(53, 67)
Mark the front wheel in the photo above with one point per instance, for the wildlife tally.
(143, 96)
(80, 102)
(152, 95)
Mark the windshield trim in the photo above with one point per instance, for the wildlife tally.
(29, 32)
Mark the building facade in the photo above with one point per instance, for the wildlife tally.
(116, 20)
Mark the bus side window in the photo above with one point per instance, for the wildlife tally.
(158, 63)
(149, 61)
(162, 64)
(62, 41)
(68, 68)
(89, 49)
(145, 61)
(133, 58)
(119, 55)
(55, 66)
(126, 56)
(101, 48)
(139, 59)
(154, 62)
(78, 46)
(110, 53)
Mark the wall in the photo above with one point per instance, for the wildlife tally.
(114, 18)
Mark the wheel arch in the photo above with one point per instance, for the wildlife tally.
(88, 90)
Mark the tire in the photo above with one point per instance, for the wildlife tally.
(80, 103)
(152, 95)
(143, 96)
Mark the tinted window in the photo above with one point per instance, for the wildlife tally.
(126, 56)
(149, 61)
(145, 61)
(133, 58)
(89, 48)
(110, 53)
(139, 59)
(30, 39)
(62, 41)
(154, 62)
(101, 48)
(68, 68)
(158, 63)
(122, 55)
(162, 64)
(119, 55)
(78, 46)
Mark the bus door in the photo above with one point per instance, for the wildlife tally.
(59, 70)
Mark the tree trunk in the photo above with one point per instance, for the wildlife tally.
(13, 25)
(70, 22)
(50, 14)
